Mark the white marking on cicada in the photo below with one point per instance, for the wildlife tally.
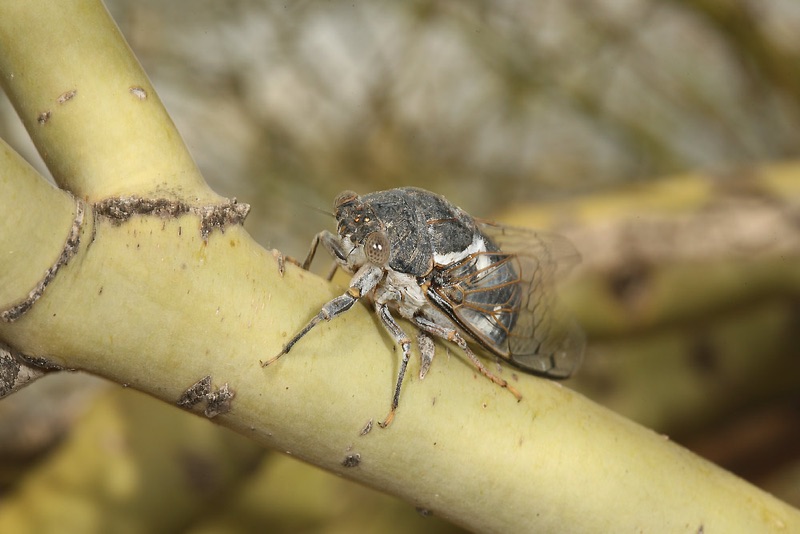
(477, 245)
(404, 290)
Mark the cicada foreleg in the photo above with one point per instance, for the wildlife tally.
(363, 282)
(328, 241)
(451, 334)
(331, 244)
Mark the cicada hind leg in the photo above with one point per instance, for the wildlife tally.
(451, 334)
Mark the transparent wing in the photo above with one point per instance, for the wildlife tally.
(553, 252)
(545, 339)
(505, 299)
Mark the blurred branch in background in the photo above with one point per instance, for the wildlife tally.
(285, 104)
(689, 289)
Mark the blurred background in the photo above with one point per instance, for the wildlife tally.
(659, 135)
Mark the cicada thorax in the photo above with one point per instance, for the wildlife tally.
(422, 228)
(404, 223)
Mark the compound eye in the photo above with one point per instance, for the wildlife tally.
(376, 248)
(345, 197)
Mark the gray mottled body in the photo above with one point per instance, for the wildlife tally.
(413, 252)
(431, 241)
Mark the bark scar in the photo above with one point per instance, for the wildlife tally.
(119, 209)
(217, 401)
(70, 249)
(18, 370)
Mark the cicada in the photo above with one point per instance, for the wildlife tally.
(413, 253)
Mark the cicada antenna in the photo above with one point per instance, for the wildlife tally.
(318, 210)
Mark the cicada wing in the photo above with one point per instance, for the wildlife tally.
(546, 342)
(554, 253)
(481, 293)
(544, 339)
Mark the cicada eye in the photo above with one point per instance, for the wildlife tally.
(343, 198)
(376, 248)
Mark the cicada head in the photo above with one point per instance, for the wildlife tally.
(356, 220)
